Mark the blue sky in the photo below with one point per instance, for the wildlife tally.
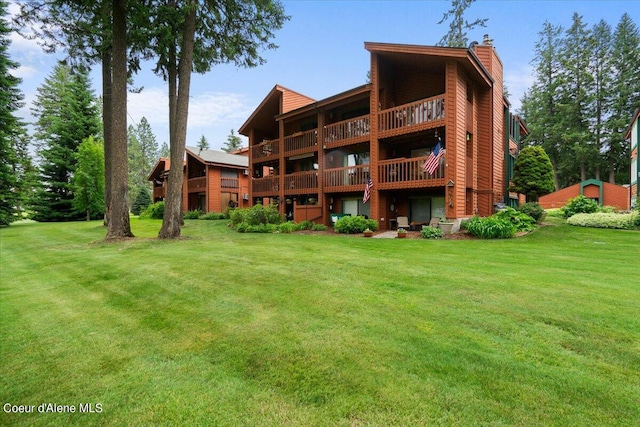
(321, 53)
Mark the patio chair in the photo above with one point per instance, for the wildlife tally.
(434, 222)
(402, 222)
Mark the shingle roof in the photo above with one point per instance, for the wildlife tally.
(219, 157)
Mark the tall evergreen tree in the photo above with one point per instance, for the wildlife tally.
(577, 95)
(532, 174)
(137, 176)
(541, 104)
(67, 113)
(233, 142)
(88, 179)
(203, 144)
(11, 127)
(458, 27)
(625, 90)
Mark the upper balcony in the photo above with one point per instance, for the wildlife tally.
(197, 184)
(346, 132)
(408, 173)
(419, 115)
(266, 150)
(349, 178)
(266, 186)
(301, 182)
(300, 142)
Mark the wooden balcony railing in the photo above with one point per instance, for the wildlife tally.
(301, 181)
(301, 140)
(350, 175)
(266, 149)
(347, 129)
(418, 114)
(408, 171)
(197, 184)
(268, 184)
(229, 183)
(158, 192)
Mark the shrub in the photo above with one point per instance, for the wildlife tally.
(244, 227)
(319, 227)
(355, 224)
(287, 227)
(491, 227)
(256, 219)
(142, 200)
(431, 233)
(580, 204)
(153, 211)
(304, 225)
(555, 213)
(534, 210)
(212, 216)
(604, 220)
(193, 214)
(520, 220)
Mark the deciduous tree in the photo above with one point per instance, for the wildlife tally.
(88, 179)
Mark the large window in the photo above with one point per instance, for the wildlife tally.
(355, 207)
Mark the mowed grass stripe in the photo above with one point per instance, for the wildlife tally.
(230, 329)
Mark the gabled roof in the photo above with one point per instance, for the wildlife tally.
(279, 100)
(218, 157)
(465, 56)
(162, 165)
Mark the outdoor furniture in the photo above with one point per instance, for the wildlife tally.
(434, 222)
(402, 222)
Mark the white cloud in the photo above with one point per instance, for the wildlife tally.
(518, 80)
(25, 72)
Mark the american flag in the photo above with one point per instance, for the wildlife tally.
(431, 164)
(367, 190)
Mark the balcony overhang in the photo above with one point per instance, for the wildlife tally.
(360, 92)
(436, 55)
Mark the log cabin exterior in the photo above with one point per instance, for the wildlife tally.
(313, 158)
(213, 180)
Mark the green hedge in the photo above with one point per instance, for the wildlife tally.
(153, 211)
(354, 225)
(431, 233)
(580, 204)
(605, 220)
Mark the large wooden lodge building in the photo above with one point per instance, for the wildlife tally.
(313, 158)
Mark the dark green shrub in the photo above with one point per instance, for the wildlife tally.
(288, 227)
(431, 233)
(260, 228)
(534, 210)
(355, 224)
(305, 225)
(143, 199)
(256, 219)
(319, 227)
(520, 220)
(491, 228)
(212, 216)
(193, 214)
(154, 211)
(580, 204)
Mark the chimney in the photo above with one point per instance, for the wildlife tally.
(486, 41)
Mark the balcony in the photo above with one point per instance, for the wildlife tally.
(344, 179)
(197, 184)
(267, 150)
(229, 183)
(408, 173)
(300, 142)
(420, 115)
(301, 181)
(267, 186)
(347, 132)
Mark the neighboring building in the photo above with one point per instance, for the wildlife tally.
(213, 180)
(602, 192)
(313, 158)
(633, 135)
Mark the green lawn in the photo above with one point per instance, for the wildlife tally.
(226, 329)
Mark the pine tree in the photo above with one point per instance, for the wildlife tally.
(541, 104)
(203, 144)
(533, 174)
(457, 35)
(88, 179)
(137, 176)
(142, 200)
(67, 113)
(233, 143)
(10, 128)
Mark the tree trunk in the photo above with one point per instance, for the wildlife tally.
(173, 206)
(107, 123)
(119, 225)
(612, 170)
